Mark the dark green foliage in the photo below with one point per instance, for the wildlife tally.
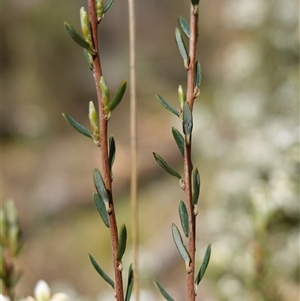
(180, 245)
(112, 151)
(130, 282)
(87, 57)
(179, 140)
(101, 272)
(77, 126)
(118, 97)
(187, 123)
(198, 75)
(196, 185)
(167, 105)
(184, 218)
(107, 5)
(100, 186)
(122, 242)
(184, 26)
(163, 292)
(100, 205)
(166, 166)
(181, 47)
(76, 36)
(204, 265)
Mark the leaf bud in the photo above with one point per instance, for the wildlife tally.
(99, 9)
(181, 97)
(93, 118)
(104, 91)
(85, 26)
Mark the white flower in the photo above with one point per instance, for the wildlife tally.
(42, 291)
(60, 297)
(4, 298)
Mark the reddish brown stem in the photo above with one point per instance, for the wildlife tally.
(192, 221)
(105, 169)
(188, 166)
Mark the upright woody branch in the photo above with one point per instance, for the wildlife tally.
(190, 183)
(103, 198)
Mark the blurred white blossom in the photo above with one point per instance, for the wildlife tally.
(42, 292)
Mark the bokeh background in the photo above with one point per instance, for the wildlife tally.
(246, 139)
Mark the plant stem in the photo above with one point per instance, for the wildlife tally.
(105, 169)
(188, 166)
(192, 56)
(133, 142)
(192, 221)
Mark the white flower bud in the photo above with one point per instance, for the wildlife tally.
(42, 291)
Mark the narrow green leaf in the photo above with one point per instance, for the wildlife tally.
(184, 218)
(187, 119)
(76, 36)
(122, 242)
(88, 59)
(187, 123)
(130, 282)
(112, 151)
(77, 126)
(100, 186)
(198, 77)
(184, 26)
(181, 47)
(195, 2)
(179, 140)
(204, 265)
(101, 272)
(196, 185)
(166, 166)
(118, 97)
(107, 5)
(180, 246)
(167, 106)
(163, 292)
(100, 205)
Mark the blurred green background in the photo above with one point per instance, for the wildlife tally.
(246, 139)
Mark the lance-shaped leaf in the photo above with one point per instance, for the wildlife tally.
(181, 47)
(107, 5)
(76, 36)
(100, 186)
(184, 218)
(184, 26)
(163, 292)
(198, 74)
(129, 283)
(112, 151)
(196, 185)
(166, 166)
(187, 123)
(100, 205)
(118, 97)
(204, 265)
(179, 140)
(101, 272)
(180, 246)
(122, 242)
(88, 58)
(77, 126)
(167, 105)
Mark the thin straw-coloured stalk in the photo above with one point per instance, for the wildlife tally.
(133, 142)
